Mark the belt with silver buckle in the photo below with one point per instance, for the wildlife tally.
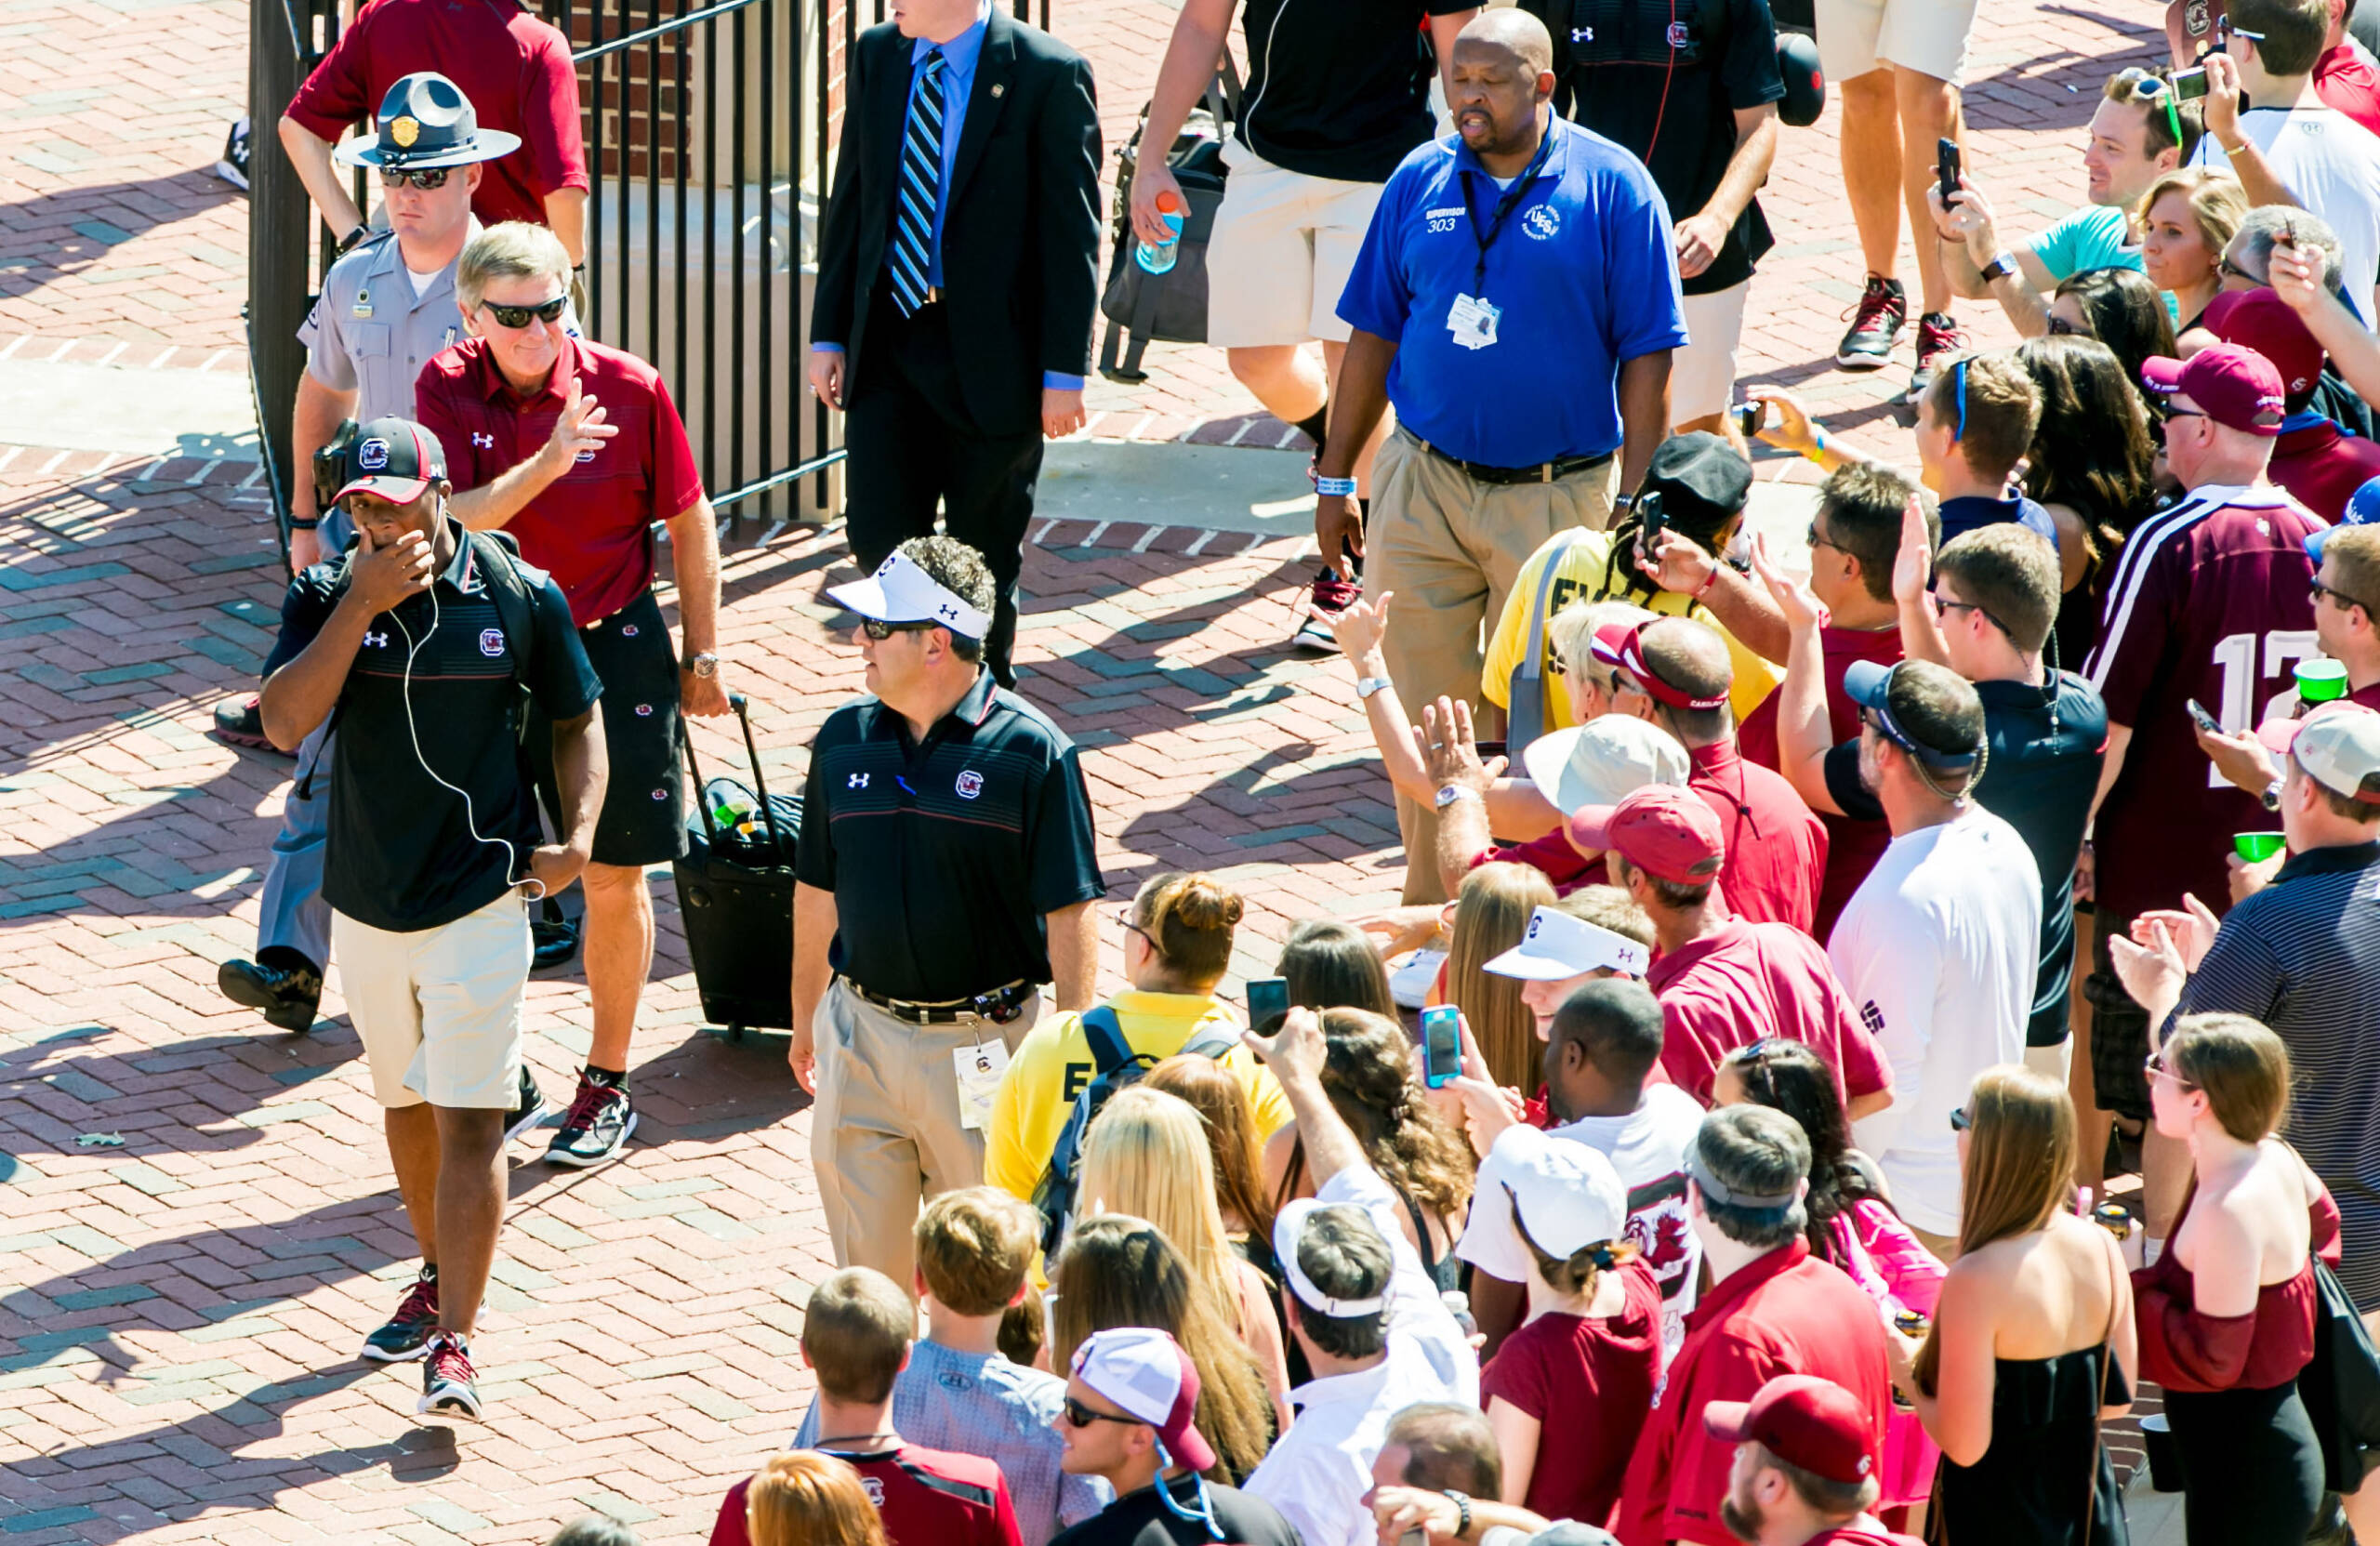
(999, 1006)
(1542, 472)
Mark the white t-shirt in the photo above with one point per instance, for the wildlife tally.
(1940, 948)
(1648, 1147)
(2332, 163)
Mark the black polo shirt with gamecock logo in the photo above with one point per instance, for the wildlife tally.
(946, 856)
(400, 854)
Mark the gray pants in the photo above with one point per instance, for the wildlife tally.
(292, 914)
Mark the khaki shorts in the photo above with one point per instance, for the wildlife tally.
(1280, 252)
(439, 1009)
(1929, 36)
(1703, 374)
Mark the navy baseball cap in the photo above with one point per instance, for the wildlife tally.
(395, 458)
(1871, 686)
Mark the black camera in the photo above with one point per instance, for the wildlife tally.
(329, 468)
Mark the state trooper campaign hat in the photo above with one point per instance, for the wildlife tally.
(395, 458)
(426, 121)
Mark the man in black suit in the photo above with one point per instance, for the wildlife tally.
(964, 227)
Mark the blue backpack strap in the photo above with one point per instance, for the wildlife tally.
(1213, 1044)
(1105, 1034)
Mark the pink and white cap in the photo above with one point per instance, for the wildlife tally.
(1145, 1373)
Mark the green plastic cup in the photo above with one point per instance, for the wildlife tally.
(2321, 681)
(2256, 847)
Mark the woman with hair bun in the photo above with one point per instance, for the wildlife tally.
(1177, 938)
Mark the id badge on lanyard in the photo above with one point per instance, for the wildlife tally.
(1472, 319)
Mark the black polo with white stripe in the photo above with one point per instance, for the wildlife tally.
(946, 856)
(2302, 956)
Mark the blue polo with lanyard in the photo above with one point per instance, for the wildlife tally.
(1512, 309)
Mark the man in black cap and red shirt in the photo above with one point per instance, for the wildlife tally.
(2209, 604)
(423, 644)
(1805, 1466)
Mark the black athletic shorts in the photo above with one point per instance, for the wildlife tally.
(643, 820)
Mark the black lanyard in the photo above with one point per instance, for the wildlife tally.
(1504, 208)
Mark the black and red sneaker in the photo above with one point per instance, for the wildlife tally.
(449, 1384)
(1331, 596)
(1938, 338)
(407, 1335)
(596, 1125)
(1876, 322)
(241, 721)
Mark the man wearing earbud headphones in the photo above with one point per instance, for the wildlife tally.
(426, 646)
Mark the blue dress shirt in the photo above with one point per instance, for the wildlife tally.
(960, 57)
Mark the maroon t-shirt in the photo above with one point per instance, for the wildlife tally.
(925, 1497)
(2208, 602)
(515, 68)
(2321, 467)
(589, 529)
(1754, 980)
(1851, 846)
(1560, 1368)
(1775, 865)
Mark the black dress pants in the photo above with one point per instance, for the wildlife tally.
(914, 446)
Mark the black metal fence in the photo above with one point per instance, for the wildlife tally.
(709, 134)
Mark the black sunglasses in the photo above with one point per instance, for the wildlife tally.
(1083, 1416)
(875, 629)
(427, 180)
(518, 316)
(1941, 606)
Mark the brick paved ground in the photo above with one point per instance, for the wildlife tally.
(178, 1315)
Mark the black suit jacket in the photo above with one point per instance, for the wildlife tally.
(1019, 241)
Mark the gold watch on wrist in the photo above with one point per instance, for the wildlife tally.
(705, 665)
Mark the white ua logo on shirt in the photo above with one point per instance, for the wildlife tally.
(376, 641)
(856, 781)
(483, 441)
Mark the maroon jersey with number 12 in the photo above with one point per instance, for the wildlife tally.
(2208, 602)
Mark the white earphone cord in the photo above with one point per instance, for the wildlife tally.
(534, 886)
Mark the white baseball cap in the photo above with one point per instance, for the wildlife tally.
(1558, 945)
(1597, 762)
(1147, 1374)
(900, 592)
(1565, 1195)
(1288, 1234)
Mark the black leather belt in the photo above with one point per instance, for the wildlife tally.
(999, 1006)
(1543, 472)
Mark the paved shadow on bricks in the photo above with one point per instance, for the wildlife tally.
(40, 240)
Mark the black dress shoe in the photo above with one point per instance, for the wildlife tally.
(241, 721)
(284, 992)
(553, 942)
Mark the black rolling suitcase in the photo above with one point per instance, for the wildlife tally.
(736, 891)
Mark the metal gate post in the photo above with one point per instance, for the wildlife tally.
(279, 221)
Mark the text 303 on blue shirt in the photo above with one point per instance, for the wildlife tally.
(1585, 275)
(959, 56)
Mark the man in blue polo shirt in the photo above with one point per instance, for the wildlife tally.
(1516, 299)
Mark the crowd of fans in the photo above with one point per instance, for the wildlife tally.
(1821, 930)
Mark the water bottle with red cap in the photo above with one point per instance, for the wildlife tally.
(1161, 256)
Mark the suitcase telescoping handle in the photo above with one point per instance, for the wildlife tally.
(760, 784)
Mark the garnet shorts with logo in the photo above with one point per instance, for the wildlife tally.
(643, 820)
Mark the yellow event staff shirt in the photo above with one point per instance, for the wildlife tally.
(1580, 576)
(1053, 1065)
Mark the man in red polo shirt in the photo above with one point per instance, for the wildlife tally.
(1772, 1308)
(1723, 982)
(576, 449)
(2320, 466)
(1805, 1466)
(515, 70)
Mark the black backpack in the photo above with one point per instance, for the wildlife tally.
(1119, 1068)
(498, 558)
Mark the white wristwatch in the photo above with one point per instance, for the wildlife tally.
(1450, 793)
(1367, 686)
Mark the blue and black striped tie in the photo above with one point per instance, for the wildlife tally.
(920, 181)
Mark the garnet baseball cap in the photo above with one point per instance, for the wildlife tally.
(1802, 1420)
(1618, 646)
(2233, 385)
(1565, 1195)
(2260, 319)
(1145, 1373)
(2362, 508)
(2339, 745)
(1598, 762)
(1558, 945)
(1671, 834)
(900, 592)
(395, 458)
